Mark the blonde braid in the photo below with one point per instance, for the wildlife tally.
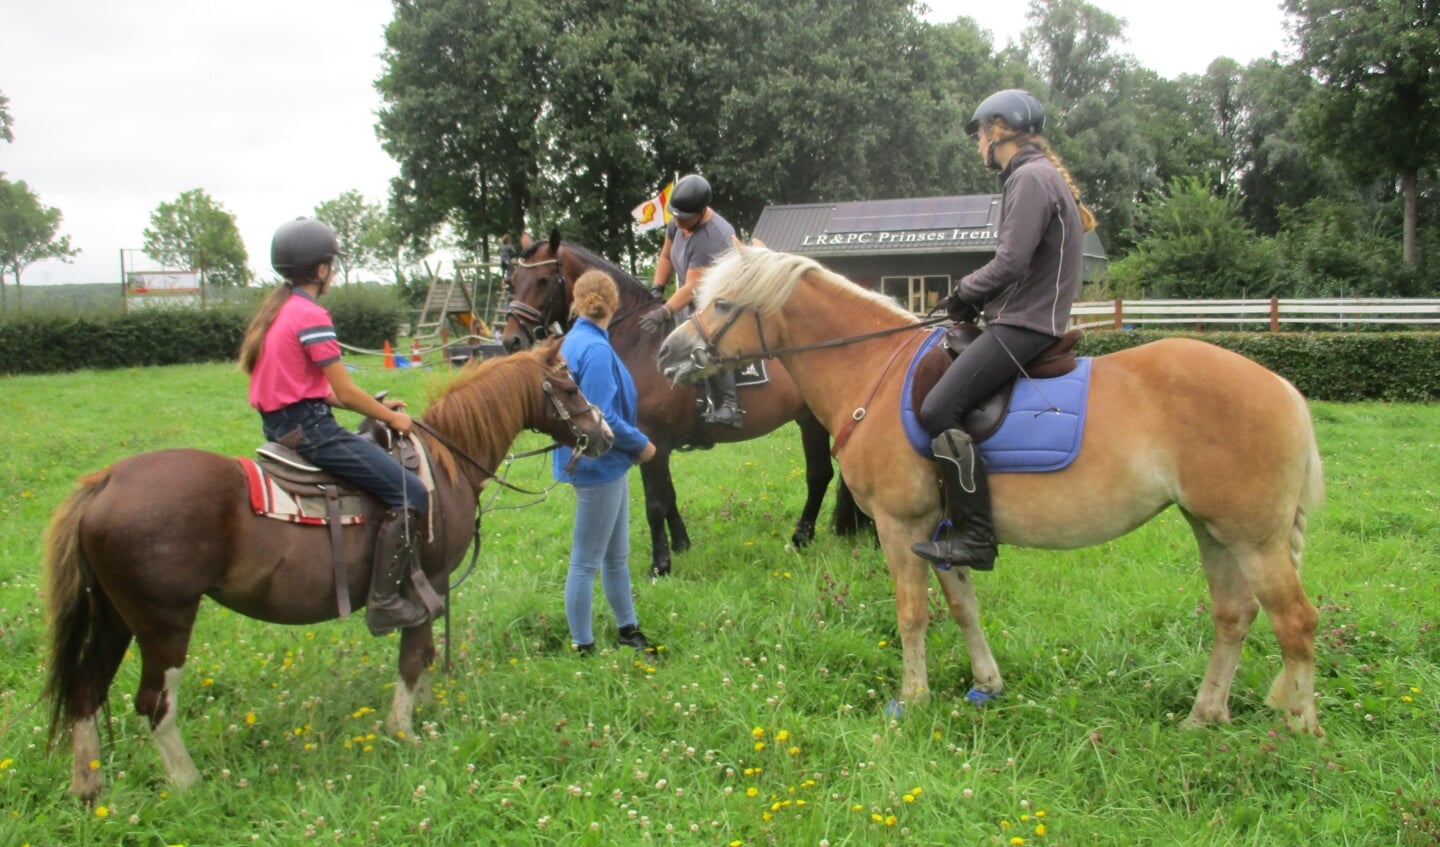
(1087, 217)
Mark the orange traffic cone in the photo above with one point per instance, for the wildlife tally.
(389, 357)
(415, 352)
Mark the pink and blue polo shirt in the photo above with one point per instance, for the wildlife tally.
(298, 344)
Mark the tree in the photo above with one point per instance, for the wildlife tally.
(464, 87)
(196, 233)
(1194, 244)
(1377, 109)
(28, 232)
(1278, 169)
(360, 229)
(6, 133)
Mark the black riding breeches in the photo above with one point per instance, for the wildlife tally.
(996, 356)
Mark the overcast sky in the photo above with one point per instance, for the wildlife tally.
(269, 105)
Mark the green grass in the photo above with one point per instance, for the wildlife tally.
(763, 721)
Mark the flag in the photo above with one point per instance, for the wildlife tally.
(654, 213)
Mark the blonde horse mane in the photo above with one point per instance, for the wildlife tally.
(488, 404)
(763, 279)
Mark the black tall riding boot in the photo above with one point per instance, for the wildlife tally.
(397, 545)
(967, 492)
(725, 402)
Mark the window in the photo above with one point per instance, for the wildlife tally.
(919, 294)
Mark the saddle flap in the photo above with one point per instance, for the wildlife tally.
(279, 453)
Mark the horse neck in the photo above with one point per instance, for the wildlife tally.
(834, 380)
(484, 437)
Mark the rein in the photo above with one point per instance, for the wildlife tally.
(713, 356)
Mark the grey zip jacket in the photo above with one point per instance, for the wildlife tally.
(1035, 275)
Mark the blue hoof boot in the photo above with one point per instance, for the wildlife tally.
(895, 710)
(980, 699)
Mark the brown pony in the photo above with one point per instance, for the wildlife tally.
(1175, 421)
(136, 547)
(542, 281)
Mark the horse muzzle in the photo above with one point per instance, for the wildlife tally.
(682, 359)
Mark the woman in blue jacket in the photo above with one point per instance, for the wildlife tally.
(601, 538)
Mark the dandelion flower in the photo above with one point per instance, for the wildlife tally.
(102, 812)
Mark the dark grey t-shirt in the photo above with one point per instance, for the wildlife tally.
(701, 248)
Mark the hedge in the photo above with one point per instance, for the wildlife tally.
(1336, 366)
(1342, 367)
(51, 342)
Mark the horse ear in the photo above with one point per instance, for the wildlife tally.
(736, 242)
(554, 240)
(755, 242)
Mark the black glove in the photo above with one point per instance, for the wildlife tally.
(657, 291)
(656, 319)
(958, 310)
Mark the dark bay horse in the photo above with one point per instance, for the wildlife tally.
(1177, 421)
(131, 553)
(542, 281)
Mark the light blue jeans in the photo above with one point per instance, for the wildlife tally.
(601, 542)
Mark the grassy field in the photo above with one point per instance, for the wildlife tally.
(762, 722)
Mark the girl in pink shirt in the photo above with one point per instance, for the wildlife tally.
(296, 376)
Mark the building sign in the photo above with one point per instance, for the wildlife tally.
(938, 238)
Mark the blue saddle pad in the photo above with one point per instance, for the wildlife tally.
(1042, 427)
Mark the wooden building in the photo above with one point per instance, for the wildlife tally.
(910, 249)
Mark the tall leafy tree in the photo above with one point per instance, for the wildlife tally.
(464, 87)
(196, 232)
(359, 227)
(1278, 170)
(1377, 109)
(29, 232)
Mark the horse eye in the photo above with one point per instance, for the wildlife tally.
(721, 304)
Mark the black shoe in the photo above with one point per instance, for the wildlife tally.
(726, 414)
(631, 636)
(947, 554)
(584, 649)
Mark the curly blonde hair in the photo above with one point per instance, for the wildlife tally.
(595, 296)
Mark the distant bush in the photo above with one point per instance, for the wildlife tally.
(50, 341)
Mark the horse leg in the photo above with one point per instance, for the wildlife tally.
(417, 654)
(88, 694)
(910, 576)
(1276, 582)
(660, 506)
(1233, 610)
(158, 701)
(959, 591)
(818, 472)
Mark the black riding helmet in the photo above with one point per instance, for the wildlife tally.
(690, 197)
(302, 244)
(1019, 108)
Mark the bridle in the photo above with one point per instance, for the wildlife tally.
(534, 321)
(562, 414)
(709, 355)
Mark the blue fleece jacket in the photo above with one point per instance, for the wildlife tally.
(606, 383)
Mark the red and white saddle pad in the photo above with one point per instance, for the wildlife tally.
(270, 499)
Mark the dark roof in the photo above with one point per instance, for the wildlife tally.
(959, 224)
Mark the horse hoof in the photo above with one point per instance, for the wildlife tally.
(660, 569)
(804, 534)
(680, 544)
(979, 698)
(895, 710)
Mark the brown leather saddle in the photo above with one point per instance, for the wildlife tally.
(981, 422)
(290, 471)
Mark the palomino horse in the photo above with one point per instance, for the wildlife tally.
(1175, 421)
(133, 550)
(542, 281)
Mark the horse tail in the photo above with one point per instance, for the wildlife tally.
(1312, 487)
(75, 606)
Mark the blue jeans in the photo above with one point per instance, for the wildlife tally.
(600, 542)
(328, 445)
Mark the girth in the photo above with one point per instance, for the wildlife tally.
(981, 421)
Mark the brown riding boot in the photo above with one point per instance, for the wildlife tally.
(397, 545)
(967, 492)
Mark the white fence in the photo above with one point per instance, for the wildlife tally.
(1273, 314)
